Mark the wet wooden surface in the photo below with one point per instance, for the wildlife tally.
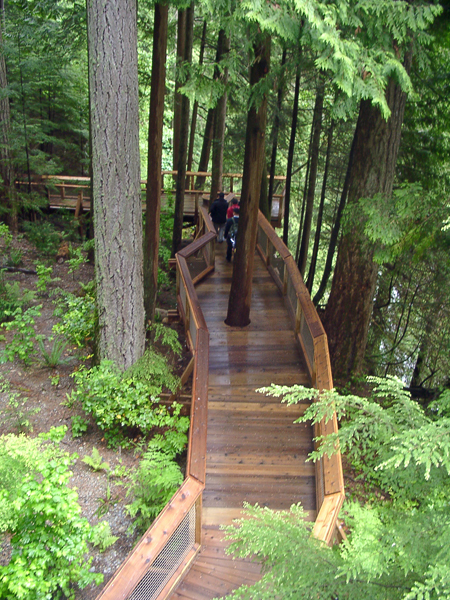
(255, 452)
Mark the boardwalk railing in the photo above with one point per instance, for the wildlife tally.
(312, 338)
(171, 543)
(168, 547)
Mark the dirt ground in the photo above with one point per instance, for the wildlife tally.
(37, 384)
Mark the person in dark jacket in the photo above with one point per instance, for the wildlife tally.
(231, 228)
(218, 214)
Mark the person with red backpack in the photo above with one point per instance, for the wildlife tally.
(231, 229)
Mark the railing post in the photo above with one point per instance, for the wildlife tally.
(196, 207)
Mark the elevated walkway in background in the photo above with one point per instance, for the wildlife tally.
(74, 193)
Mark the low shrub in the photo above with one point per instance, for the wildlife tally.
(124, 403)
(78, 316)
(43, 235)
(42, 514)
(12, 297)
(23, 343)
(157, 478)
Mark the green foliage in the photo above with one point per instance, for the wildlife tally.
(156, 480)
(153, 368)
(5, 236)
(398, 547)
(15, 411)
(12, 297)
(405, 222)
(76, 259)
(49, 537)
(55, 356)
(23, 344)
(107, 501)
(95, 461)
(43, 235)
(79, 426)
(78, 316)
(101, 536)
(44, 278)
(125, 402)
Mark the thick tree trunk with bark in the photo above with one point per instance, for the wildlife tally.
(219, 124)
(315, 147)
(254, 158)
(349, 308)
(155, 131)
(113, 79)
(183, 144)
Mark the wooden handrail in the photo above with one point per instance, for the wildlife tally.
(136, 565)
(329, 475)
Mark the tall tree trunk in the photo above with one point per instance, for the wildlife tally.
(112, 39)
(7, 189)
(209, 126)
(254, 159)
(317, 130)
(349, 307)
(219, 124)
(287, 197)
(305, 193)
(315, 252)
(195, 107)
(275, 131)
(178, 98)
(336, 229)
(184, 133)
(206, 149)
(155, 131)
(263, 196)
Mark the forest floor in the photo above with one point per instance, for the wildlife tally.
(100, 496)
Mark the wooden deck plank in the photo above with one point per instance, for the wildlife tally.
(255, 452)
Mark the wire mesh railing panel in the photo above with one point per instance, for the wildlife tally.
(168, 560)
(307, 339)
(207, 253)
(277, 262)
(183, 296)
(292, 295)
(196, 264)
(262, 239)
(193, 330)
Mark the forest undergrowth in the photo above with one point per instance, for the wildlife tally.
(95, 458)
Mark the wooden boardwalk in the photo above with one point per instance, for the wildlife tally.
(254, 451)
